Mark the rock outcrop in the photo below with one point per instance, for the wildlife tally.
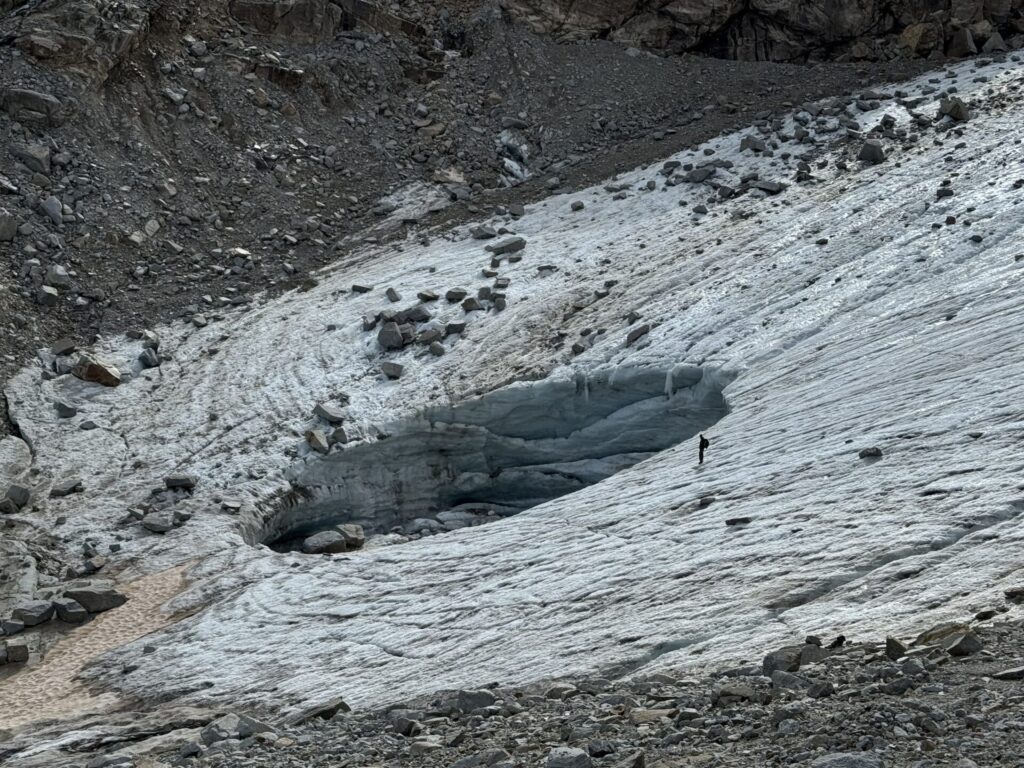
(783, 30)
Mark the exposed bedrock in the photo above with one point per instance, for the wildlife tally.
(505, 451)
(784, 30)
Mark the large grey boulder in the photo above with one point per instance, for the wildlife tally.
(70, 611)
(96, 597)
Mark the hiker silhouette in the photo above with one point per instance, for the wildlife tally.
(704, 443)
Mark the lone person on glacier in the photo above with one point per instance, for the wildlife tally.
(704, 443)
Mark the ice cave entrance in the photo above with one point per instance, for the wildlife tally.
(498, 454)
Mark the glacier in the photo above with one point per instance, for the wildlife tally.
(796, 328)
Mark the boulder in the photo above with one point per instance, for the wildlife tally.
(180, 481)
(392, 370)
(70, 611)
(96, 598)
(332, 414)
(33, 613)
(232, 726)
(872, 152)
(91, 369)
(324, 543)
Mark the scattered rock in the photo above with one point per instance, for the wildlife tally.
(872, 152)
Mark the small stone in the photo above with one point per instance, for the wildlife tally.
(391, 370)
(390, 336)
(637, 333)
(332, 414)
(568, 757)
(180, 481)
(427, 296)
(64, 410)
(577, 205)
(510, 245)
(149, 359)
(66, 487)
(358, 288)
(874, 452)
(393, 295)
(455, 295)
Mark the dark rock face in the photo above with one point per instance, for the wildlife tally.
(779, 30)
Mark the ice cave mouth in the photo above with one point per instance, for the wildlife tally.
(496, 455)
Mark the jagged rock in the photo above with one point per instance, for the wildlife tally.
(325, 542)
(955, 108)
(232, 726)
(1014, 673)
(47, 296)
(90, 369)
(894, 649)
(872, 152)
(332, 414)
(390, 336)
(962, 644)
(455, 295)
(70, 611)
(427, 296)
(321, 711)
(149, 359)
(317, 440)
(34, 613)
(482, 232)
(961, 44)
(922, 38)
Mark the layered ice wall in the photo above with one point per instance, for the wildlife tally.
(506, 451)
(847, 309)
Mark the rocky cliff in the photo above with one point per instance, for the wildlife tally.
(787, 30)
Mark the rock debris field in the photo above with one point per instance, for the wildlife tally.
(440, 505)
